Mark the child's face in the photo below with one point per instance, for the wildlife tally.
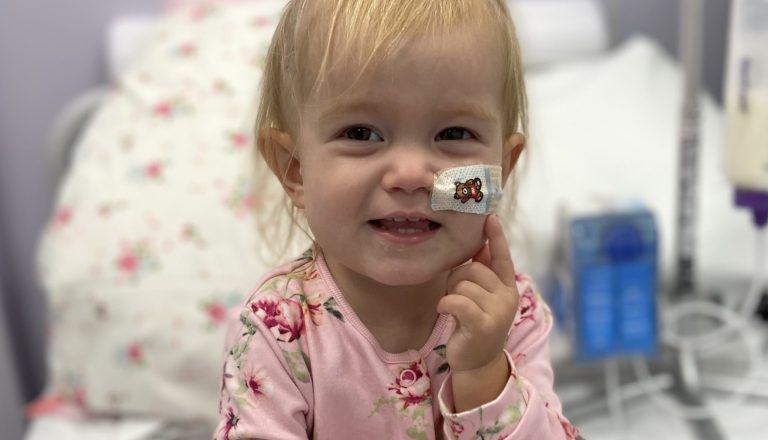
(368, 160)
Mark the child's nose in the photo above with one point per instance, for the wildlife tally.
(409, 170)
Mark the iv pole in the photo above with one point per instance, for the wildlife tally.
(690, 53)
(688, 387)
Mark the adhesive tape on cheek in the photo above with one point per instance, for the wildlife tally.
(473, 189)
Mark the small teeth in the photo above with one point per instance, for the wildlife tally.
(403, 219)
(401, 225)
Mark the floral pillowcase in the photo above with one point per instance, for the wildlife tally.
(153, 236)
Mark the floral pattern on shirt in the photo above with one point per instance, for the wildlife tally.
(528, 306)
(292, 315)
(410, 394)
(571, 432)
(285, 309)
(412, 386)
(283, 316)
(444, 367)
(231, 423)
(485, 429)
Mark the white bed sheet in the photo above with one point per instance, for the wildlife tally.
(68, 428)
(737, 417)
(67, 425)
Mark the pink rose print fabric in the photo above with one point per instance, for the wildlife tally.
(412, 385)
(283, 316)
(301, 365)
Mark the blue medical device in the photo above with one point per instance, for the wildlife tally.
(611, 263)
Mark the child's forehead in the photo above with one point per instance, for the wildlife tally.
(323, 48)
(336, 38)
(457, 56)
(433, 82)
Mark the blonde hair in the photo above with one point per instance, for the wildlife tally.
(317, 39)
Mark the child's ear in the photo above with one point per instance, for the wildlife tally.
(279, 151)
(513, 147)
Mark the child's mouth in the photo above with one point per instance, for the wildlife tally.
(402, 225)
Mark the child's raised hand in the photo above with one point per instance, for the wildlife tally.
(483, 297)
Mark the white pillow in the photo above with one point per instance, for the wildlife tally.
(153, 236)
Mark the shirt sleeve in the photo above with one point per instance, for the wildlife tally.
(266, 384)
(527, 406)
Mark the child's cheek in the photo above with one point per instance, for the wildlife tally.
(468, 235)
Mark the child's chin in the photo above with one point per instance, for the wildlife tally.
(402, 281)
(410, 276)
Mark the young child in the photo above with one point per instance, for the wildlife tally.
(402, 321)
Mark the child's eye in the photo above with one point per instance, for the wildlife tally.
(361, 134)
(454, 134)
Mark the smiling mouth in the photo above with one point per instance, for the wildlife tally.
(401, 225)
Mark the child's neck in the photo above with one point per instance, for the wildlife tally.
(401, 318)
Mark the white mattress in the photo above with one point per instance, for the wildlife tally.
(645, 421)
(65, 428)
(744, 418)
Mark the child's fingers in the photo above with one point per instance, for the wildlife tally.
(465, 310)
(480, 284)
(477, 273)
(501, 259)
(478, 294)
(483, 255)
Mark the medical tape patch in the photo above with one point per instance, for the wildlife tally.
(473, 189)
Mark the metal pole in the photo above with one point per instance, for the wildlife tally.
(691, 16)
(688, 386)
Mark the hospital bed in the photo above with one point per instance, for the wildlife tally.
(153, 234)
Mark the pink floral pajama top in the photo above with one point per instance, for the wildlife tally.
(301, 365)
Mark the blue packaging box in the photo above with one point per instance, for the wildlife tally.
(611, 261)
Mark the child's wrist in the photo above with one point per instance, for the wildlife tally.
(476, 387)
